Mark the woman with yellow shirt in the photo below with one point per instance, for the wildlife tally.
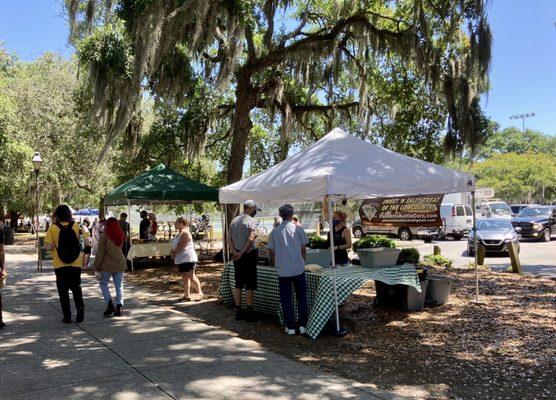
(63, 240)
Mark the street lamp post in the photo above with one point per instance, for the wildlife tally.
(37, 162)
(522, 118)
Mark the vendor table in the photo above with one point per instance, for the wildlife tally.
(320, 295)
(149, 250)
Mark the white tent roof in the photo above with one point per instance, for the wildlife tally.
(341, 164)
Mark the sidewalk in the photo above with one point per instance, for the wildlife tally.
(153, 352)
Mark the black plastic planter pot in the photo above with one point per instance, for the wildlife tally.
(415, 301)
(438, 290)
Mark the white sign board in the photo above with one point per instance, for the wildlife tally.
(484, 193)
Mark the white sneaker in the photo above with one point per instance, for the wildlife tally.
(290, 331)
(302, 330)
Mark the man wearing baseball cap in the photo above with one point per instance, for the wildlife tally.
(288, 246)
(245, 256)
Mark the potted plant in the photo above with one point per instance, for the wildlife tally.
(409, 256)
(317, 242)
(376, 251)
(317, 252)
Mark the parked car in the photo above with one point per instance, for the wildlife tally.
(495, 234)
(536, 222)
(516, 208)
(457, 220)
(494, 209)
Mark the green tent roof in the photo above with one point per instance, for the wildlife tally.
(160, 185)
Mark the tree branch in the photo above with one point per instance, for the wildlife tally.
(84, 186)
(299, 108)
(318, 108)
(352, 57)
(217, 140)
(295, 32)
(269, 11)
(318, 40)
(251, 54)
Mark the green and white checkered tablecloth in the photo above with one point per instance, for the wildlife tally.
(320, 296)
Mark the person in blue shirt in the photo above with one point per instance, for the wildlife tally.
(288, 246)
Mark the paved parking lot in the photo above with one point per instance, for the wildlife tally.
(537, 258)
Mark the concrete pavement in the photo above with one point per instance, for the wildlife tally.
(153, 352)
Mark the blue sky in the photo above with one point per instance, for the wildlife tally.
(523, 75)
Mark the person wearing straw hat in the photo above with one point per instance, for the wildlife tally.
(241, 239)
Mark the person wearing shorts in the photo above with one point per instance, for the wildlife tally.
(86, 243)
(185, 258)
(241, 237)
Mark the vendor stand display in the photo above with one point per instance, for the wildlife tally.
(159, 249)
(320, 297)
(159, 185)
(339, 167)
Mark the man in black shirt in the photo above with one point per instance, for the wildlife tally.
(3, 271)
(144, 225)
(124, 225)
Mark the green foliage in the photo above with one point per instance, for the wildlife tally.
(523, 177)
(374, 241)
(390, 72)
(38, 113)
(410, 256)
(513, 140)
(316, 242)
(108, 48)
(437, 261)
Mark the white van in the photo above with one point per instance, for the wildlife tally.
(457, 219)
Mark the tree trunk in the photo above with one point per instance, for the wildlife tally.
(14, 217)
(246, 99)
(287, 120)
(101, 209)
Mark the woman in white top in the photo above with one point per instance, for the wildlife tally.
(185, 258)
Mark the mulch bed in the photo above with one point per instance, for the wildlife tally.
(504, 349)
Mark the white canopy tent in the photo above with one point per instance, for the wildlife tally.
(343, 166)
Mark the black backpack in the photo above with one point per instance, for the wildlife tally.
(69, 247)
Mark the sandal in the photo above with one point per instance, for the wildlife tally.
(200, 297)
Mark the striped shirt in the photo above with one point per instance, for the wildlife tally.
(286, 240)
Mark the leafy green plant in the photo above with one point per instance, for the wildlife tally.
(373, 242)
(437, 261)
(410, 256)
(316, 242)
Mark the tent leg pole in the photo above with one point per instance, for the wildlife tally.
(224, 247)
(474, 209)
(339, 331)
(129, 233)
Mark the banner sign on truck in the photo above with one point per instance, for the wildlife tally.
(422, 210)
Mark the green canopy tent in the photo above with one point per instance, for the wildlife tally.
(160, 185)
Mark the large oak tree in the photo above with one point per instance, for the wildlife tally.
(292, 58)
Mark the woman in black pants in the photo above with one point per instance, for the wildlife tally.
(63, 239)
